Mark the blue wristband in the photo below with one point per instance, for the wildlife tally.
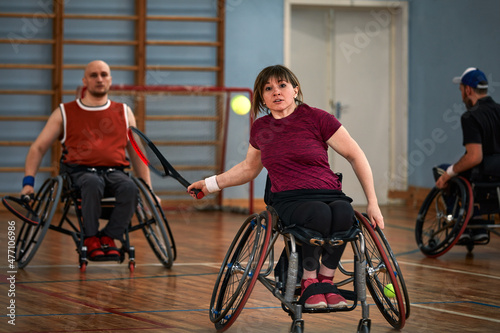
(29, 180)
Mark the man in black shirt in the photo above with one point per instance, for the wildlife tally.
(480, 124)
(480, 129)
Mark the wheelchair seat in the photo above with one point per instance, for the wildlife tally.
(313, 237)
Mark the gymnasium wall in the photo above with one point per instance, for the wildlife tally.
(249, 48)
(445, 37)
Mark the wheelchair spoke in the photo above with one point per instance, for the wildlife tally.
(443, 217)
(240, 270)
(235, 282)
(159, 242)
(380, 273)
(154, 225)
(236, 269)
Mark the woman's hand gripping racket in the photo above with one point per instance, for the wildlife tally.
(21, 208)
(153, 158)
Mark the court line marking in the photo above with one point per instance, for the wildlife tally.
(96, 264)
(449, 270)
(131, 316)
(217, 265)
(155, 323)
(263, 308)
(455, 313)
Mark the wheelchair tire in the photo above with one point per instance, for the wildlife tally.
(30, 236)
(379, 274)
(153, 223)
(394, 265)
(240, 270)
(438, 227)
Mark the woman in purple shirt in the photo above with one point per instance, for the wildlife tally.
(291, 141)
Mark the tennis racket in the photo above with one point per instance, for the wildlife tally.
(154, 159)
(21, 208)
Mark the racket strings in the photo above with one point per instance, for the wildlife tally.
(21, 210)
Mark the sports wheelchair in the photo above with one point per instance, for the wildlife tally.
(464, 204)
(59, 191)
(250, 258)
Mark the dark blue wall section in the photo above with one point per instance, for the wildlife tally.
(446, 37)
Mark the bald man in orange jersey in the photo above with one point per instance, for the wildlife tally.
(93, 134)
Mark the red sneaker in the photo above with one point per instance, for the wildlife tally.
(333, 300)
(93, 247)
(109, 246)
(315, 301)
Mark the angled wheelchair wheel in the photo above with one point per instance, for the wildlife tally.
(443, 217)
(394, 265)
(240, 270)
(380, 273)
(153, 223)
(30, 236)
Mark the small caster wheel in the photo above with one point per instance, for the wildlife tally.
(83, 266)
(364, 326)
(131, 266)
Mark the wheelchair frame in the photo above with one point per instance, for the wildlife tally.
(244, 264)
(149, 218)
(445, 214)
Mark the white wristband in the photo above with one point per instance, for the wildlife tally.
(211, 184)
(450, 171)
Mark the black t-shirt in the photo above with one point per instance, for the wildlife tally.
(481, 124)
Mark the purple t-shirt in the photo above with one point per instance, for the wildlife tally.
(294, 150)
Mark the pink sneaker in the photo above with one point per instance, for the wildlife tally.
(314, 301)
(333, 300)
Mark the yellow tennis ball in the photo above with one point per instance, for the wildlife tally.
(240, 104)
(389, 290)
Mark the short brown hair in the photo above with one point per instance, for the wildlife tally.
(278, 72)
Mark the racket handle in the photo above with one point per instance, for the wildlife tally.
(198, 193)
(27, 198)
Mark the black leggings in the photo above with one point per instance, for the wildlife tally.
(326, 218)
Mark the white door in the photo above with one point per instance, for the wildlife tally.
(342, 60)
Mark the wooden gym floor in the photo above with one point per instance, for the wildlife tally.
(453, 293)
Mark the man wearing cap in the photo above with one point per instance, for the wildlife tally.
(480, 129)
(480, 124)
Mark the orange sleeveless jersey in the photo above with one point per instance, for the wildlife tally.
(94, 136)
